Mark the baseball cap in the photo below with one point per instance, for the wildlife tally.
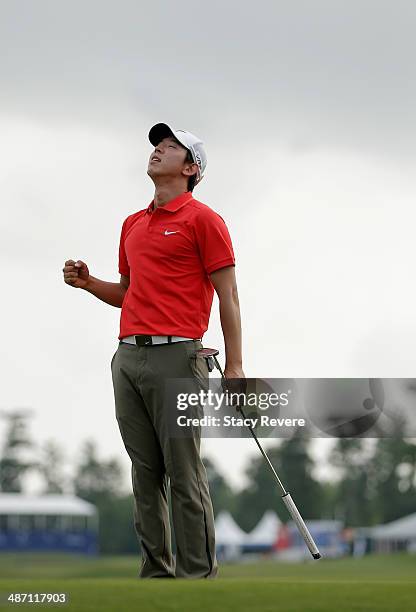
(191, 142)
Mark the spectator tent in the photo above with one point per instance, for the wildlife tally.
(229, 536)
(47, 522)
(397, 535)
(264, 535)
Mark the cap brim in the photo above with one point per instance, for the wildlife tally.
(160, 131)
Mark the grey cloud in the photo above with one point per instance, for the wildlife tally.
(322, 73)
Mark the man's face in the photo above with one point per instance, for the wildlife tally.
(168, 160)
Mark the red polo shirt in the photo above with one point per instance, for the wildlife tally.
(168, 254)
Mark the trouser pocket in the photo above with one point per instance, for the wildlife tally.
(199, 369)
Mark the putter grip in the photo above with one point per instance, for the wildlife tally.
(295, 514)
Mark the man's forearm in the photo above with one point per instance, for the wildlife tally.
(111, 293)
(231, 327)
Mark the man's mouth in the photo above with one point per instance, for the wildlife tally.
(155, 158)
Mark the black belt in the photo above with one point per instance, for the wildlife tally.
(146, 340)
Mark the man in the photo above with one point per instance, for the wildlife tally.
(172, 255)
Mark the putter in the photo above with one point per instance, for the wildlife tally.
(211, 356)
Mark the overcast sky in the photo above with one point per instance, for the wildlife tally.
(307, 113)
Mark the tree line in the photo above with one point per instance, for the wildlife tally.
(376, 481)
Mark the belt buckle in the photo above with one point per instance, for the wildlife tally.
(143, 340)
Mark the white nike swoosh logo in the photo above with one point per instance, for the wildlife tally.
(167, 232)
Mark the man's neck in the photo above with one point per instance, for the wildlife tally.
(166, 193)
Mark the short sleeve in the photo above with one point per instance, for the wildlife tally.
(123, 265)
(214, 242)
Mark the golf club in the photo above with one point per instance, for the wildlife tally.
(211, 356)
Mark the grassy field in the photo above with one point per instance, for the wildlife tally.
(385, 583)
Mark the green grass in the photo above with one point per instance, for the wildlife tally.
(385, 583)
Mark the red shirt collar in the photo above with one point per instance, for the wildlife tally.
(172, 205)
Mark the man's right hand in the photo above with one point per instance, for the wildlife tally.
(76, 273)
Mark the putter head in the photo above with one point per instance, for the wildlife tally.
(233, 385)
(208, 352)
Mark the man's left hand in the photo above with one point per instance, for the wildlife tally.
(234, 372)
(235, 383)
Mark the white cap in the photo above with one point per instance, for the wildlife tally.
(191, 142)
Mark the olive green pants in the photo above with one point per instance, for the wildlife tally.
(159, 460)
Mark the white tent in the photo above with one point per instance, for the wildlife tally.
(227, 532)
(56, 504)
(265, 532)
(401, 529)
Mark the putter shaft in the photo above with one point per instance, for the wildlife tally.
(286, 497)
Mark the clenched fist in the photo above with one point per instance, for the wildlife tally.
(76, 273)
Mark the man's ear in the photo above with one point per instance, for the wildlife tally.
(190, 167)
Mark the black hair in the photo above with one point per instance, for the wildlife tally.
(192, 179)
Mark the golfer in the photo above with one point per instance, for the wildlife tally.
(172, 256)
